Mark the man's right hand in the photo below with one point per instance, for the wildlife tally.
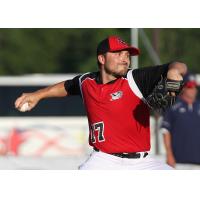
(31, 98)
(171, 160)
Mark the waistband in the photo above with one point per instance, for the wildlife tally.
(127, 155)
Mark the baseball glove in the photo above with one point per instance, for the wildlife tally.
(164, 94)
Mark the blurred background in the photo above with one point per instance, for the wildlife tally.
(54, 135)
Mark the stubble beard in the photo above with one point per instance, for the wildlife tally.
(116, 74)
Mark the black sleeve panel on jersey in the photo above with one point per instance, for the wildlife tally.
(146, 78)
(72, 86)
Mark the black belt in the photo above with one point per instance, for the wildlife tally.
(127, 155)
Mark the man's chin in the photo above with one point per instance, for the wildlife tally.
(120, 74)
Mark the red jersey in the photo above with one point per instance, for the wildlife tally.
(118, 117)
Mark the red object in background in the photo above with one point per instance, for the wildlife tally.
(11, 144)
(14, 141)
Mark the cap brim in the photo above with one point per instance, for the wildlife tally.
(132, 50)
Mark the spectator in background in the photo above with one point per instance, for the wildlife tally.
(181, 128)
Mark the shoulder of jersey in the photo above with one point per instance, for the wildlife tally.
(125, 76)
(91, 75)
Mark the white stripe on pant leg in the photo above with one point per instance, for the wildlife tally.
(83, 166)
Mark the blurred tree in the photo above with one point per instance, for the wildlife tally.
(174, 44)
(181, 44)
(24, 51)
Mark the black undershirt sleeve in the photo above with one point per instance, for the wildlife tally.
(72, 86)
(146, 78)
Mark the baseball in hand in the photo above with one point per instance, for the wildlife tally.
(24, 107)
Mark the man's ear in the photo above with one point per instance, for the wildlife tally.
(101, 59)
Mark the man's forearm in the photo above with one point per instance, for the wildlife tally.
(167, 143)
(57, 90)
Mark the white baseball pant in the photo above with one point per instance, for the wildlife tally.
(103, 161)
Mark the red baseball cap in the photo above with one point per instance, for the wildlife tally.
(190, 84)
(115, 43)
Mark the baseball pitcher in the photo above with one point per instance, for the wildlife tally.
(118, 102)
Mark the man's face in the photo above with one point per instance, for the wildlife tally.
(190, 92)
(117, 63)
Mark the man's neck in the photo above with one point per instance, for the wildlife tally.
(106, 78)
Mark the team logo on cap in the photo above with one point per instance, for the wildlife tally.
(116, 95)
(121, 41)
